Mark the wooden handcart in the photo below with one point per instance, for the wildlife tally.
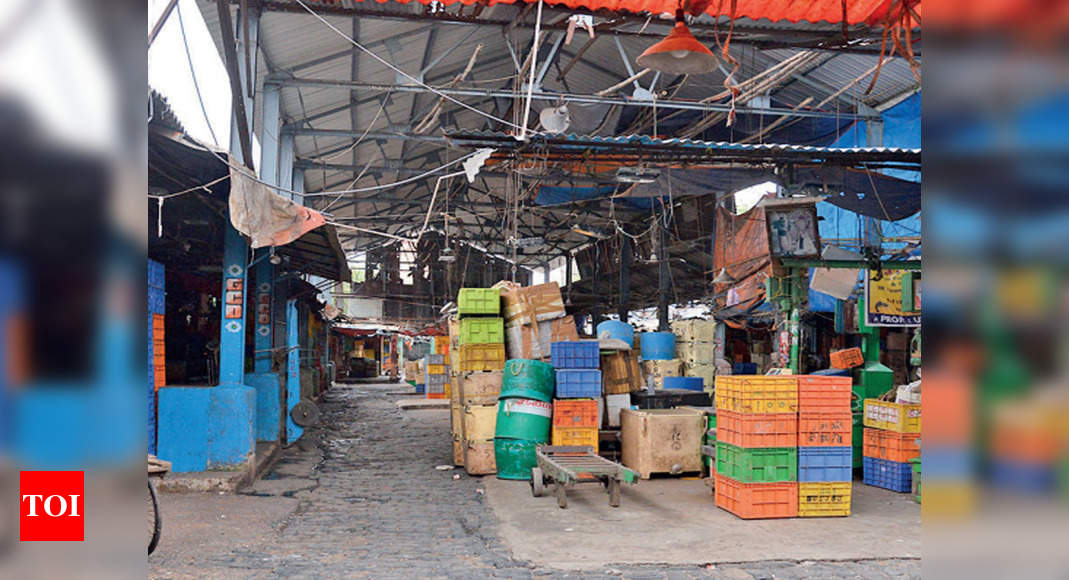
(566, 466)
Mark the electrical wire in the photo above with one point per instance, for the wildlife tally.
(193, 73)
(415, 80)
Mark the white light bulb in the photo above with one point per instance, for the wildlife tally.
(679, 53)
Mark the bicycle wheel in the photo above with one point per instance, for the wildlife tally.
(154, 522)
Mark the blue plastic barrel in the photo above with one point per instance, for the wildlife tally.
(618, 330)
(658, 346)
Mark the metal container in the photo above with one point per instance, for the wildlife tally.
(523, 419)
(658, 346)
(528, 379)
(514, 458)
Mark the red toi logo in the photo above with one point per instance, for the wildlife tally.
(51, 506)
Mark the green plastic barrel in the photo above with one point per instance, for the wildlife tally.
(528, 379)
(523, 419)
(515, 457)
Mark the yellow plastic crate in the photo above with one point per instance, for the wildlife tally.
(816, 500)
(897, 417)
(757, 393)
(581, 436)
(482, 357)
(437, 369)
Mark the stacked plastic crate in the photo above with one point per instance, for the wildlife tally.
(757, 446)
(575, 405)
(696, 348)
(435, 376)
(482, 330)
(891, 439)
(825, 452)
(157, 360)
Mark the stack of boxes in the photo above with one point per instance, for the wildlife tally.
(576, 416)
(477, 352)
(825, 452)
(481, 306)
(696, 348)
(435, 376)
(157, 369)
(891, 438)
(534, 319)
(756, 448)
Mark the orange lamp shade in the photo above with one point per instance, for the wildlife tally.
(679, 53)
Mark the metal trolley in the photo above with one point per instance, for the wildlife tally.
(566, 466)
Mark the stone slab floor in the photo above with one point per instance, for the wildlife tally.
(359, 497)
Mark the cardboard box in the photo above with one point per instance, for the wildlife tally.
(479, 387)
(533, 304)
(663, 368)
(656, 440)
(557, 330)
(695, 330)
(707, 372)
(696, 352)
(620, 373)
(523, 341)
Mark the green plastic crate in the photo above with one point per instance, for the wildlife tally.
(768, 465)
(485, 330)
(479, 301)
(916, 464)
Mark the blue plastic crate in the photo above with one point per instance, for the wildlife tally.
(575, 354)
(156, 301)
(156, 276)
(744, 368)
(825, 463)
(947, 463)
(686, 383)
(421, 389)
(1021, 476)
(578, 383)
(890, 475)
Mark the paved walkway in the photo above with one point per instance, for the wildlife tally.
(361, 498)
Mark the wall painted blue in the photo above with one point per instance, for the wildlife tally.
(232, 427)
(268, 404)
(263, 312)
(182, 439)
(293, 370)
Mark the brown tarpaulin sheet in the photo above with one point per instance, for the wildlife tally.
(742, 249)
(265, 216)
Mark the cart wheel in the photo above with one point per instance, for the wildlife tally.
(538, 484)
(614, 492)
(562, 497)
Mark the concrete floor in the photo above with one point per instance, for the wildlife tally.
(674, 521)
(360, 497)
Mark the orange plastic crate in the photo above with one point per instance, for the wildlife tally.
(756, 500)
(437, 395)
(825, 429)
(760, 430)
(822, 393)
(575, 413)
(900, 447)
(847, 359)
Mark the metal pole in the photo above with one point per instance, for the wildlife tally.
(662, 277)
(623, 308)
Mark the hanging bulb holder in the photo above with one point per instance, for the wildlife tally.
(679, 53)
(723, 277)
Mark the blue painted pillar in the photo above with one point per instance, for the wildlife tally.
(293, 369)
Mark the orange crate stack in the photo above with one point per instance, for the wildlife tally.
(889, 445)
(573, 413)
(824, 393)
(760, 430)
(756, 500)
(825, 428)
(847, 359)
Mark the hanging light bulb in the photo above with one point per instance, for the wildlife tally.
(679, 53)
(723, 277)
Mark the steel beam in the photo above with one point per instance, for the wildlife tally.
(238, 72)
(743, 34)
(569, 98)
